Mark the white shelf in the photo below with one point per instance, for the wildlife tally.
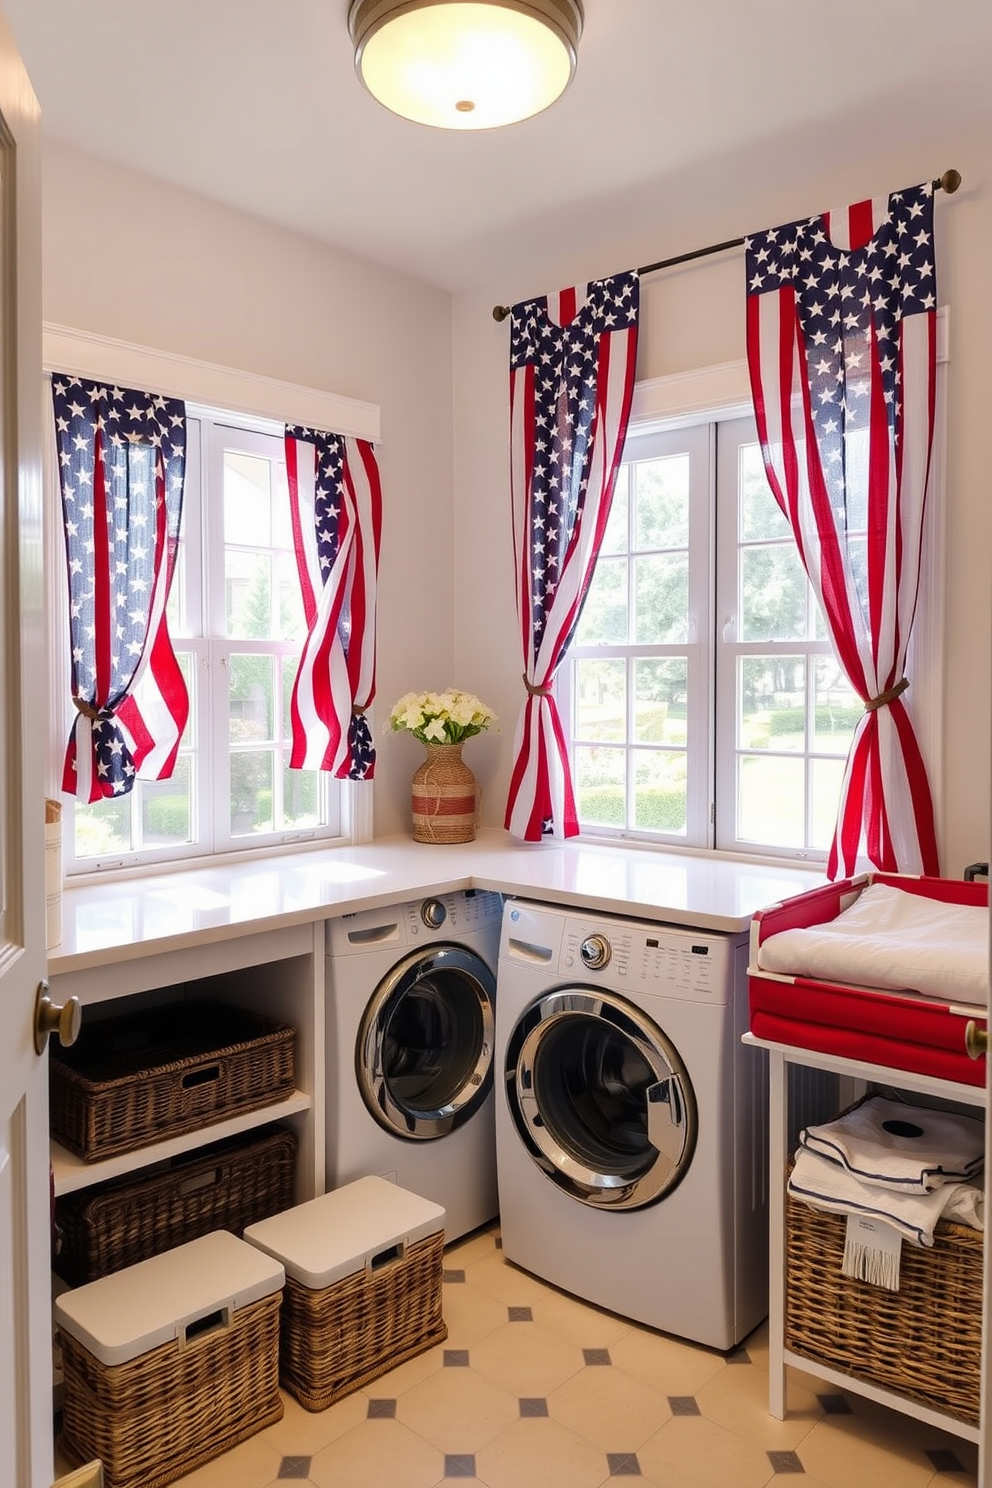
(883, 1397)
(71, 1173)
(780, 1056)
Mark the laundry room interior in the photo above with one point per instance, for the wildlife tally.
(494, 865)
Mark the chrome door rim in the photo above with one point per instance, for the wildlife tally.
(401, 1119)
(548, 1145)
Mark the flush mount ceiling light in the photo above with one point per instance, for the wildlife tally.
(460, 65)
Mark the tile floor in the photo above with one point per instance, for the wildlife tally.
(533, 1389)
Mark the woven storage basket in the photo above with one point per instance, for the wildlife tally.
(140, 1078)
(444, 797)
(923, 1342)
(336, 1339)
(222, 1187)
(170, 1362)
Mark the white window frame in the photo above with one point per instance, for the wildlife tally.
(720, 393)
(249, 402)
(646, 444)
(731, 648)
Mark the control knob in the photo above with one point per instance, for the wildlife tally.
(433, 913)
(595, 951)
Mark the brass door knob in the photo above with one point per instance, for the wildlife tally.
(976, 1040)
(64, 1020)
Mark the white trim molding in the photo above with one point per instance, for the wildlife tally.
(706, 391)
(85, 354)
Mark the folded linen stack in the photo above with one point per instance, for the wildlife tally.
(895, 1170)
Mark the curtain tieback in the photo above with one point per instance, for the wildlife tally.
(95, 715)
(533, 691)
(888, 696)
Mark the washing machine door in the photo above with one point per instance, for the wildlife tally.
(424, 1057)
(600, 1098)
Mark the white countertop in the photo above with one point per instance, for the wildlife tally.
(103, 923)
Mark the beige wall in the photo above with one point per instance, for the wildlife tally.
(139, 261)
(693, 317)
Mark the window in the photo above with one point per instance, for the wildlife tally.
(706, 707)
(236, 620)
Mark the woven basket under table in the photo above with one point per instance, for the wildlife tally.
(146, 1076)
(164, 1413)
(922, 1342)
(225, 1186)
(336, 1339)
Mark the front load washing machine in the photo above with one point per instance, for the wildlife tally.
(630, 1120)
(410, 1035)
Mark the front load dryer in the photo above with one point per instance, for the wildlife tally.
(630, 1120)
(410, 1036)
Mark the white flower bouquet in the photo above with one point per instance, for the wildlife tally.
(448, 717)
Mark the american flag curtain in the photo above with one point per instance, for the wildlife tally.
(122, 457)
(572, 358)
(336, 507)
(841, 344)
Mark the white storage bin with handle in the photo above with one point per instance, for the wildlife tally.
(171, 1361)
(364, 1267)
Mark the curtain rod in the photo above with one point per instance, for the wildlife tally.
(949, 182)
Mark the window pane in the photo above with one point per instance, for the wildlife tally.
(251, 792)
(292, 625)
(772, 703)
(660, 790)
(771, 806)
(289, 665)
(826, 779)
(601, 786)
(760, 514)
(251, 710)
(838, 708)
(601, 700)
(185, 661)
(247, 499)
(661, 503)
(604, 617)
(248, 594)
(300, 794)
(773, 594)
(175, 610)
(660, 695)
(103, 828)
(282, 525)
(166, 815)
(615, 536)
(662, 598)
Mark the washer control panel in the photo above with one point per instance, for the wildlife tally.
(455, 914)
(670, 962)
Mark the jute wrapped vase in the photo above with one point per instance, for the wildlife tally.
(445, 796)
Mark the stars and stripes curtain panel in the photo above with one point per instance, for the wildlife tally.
(841, 346)
(122, 458)
(336, 508)
(572, 359)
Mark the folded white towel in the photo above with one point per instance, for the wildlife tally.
(825, 1185)
(966, 1206)
(896, 1145)
(893, 939)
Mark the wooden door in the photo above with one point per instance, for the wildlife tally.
(25, 1300)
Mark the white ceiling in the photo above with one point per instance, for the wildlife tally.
(255, 103)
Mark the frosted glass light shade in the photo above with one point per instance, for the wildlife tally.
(465, 64)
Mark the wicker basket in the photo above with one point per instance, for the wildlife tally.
(222, 1187)
(923, 1342)
(140, 1078)
(161, 1415)
(336, 1339)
